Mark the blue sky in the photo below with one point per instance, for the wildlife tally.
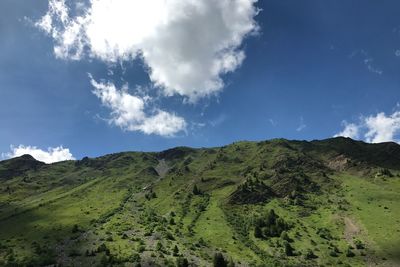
(294, 69)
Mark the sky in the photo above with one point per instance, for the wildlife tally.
(92, 77)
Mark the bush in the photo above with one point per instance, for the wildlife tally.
(350, 253)
(219, 260)
(141, 248)
(258, 232)
(196, 190)
(175, 251)
(271, 225)
(182, 262)
(285, 236)
(359, 244)
(310, 255)
(231, 263)
(324, 233)
(159, 246)
(333, 253)
(289, 250)
(75, 229)
(134, 258)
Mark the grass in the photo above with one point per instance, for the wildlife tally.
(375, 204)
(116, 210)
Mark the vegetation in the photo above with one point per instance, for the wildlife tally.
(271, 203)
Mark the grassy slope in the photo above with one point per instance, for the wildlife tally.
(120, 201)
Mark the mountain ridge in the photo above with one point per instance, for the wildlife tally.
(270, 203)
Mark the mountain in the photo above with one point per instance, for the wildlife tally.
(333, 202)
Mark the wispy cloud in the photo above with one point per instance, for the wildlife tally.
(129, 111)
(302, 125)
(218, 120)
(272, 122)
(367, 60)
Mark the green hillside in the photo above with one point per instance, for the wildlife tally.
(334, 202)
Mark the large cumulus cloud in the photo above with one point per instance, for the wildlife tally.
(186, 45)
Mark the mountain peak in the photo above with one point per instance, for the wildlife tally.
(17, 166)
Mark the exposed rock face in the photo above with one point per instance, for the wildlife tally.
(339, 163)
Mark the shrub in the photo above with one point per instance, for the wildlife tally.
(75, 229)
(289, 250)
(196, 190)
(271, 225)
(285, 236)
(258, 232)
(333, 253)
(219, 260)
(310, 255)
(175, 251)
(182, 262)
(359, 244)
(159, 246)
(350, 253)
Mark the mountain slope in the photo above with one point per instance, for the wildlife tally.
(270, 203)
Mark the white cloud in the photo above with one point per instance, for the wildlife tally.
(128, 111)
(375, 128)
(397, 53)
(53, 154)
(382, 128)
(186, 45)
(350, 130)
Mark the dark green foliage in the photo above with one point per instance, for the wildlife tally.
(271, 225)
(310, 255)
(159, 246)
(150, 195)
(258, 232)
(219, 260)
(104, 261)
(251, 192)
(182, 262)
(289, 250)
(333, 253)
(103, 248)
(75, 228)
(45, 255)
(175, 251)
(359, 244)
(285, 236)
(324, 233)
(134, 258)
(350, 253)
(196, 190)
(385, 172)
(231, 263)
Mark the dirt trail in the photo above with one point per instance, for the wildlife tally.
(351, 229)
